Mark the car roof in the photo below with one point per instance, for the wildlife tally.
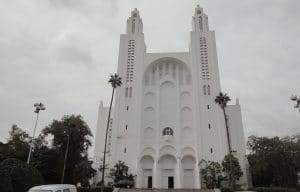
(53, 186)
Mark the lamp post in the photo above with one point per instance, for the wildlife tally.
(67, 125)
(38, 107)
(297, 99)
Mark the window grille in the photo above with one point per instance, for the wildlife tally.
(168, 131)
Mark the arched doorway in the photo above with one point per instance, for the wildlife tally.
(167, 165)
(188, 171)
(147, 163)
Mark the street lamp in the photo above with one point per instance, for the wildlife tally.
(38, 107)
(297, 99)
(67, 125)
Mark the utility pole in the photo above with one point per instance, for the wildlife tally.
(38, 107)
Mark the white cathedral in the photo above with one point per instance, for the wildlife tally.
(165, 120)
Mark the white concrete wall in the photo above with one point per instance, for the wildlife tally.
(167, 90)
(238, 139)
(99, 142)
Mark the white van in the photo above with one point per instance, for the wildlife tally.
(54, 188)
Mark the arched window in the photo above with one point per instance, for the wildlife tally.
(167, 131)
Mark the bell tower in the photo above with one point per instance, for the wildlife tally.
(126, 120)
(200, 20)
(134, 23)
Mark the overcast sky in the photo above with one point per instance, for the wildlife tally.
(61, 52)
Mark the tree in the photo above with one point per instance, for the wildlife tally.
(212, 174)
(48, 162)
(119, 172)
(274, 161)
(79, 133)
(115, 82)
(83, 172)
(222, 100)
(17, 145)
(121, 176)
(16, 175)
(231, 165)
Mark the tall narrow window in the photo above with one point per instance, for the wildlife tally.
(130, 91)
(204, 89)
(208, 125)
(208, 90)
(211, 150)
(207, 106)
(126, 92)
(174, 70)
(125, 150)
(167, 68)
(200, 23)
(133, 26)
(126, 127)
(127, 108)
(160, 70)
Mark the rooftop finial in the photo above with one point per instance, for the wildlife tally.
(134, 23)
(198, 10)
(135, 13)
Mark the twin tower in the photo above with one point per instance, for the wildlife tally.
(165, 121)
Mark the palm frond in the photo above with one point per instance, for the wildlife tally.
(222, 99)
(115, 80)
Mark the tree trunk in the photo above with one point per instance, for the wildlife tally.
(107, 126)
(231, 177)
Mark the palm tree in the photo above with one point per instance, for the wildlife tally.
(222, 100)
(115, 82)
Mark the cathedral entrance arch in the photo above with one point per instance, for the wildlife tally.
(146, 164)
(188, 169)
(167, 164)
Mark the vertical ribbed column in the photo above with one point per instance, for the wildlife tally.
(155, 176)
(196, 175)
(178, 175)
(139, 177)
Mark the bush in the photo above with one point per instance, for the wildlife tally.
(83, 189)
(225, 189)
(18, 175)
(5, 184)
(98, 189)
(274, 189)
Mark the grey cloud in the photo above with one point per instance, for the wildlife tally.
(61, 53)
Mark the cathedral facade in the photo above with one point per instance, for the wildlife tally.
(165, 121)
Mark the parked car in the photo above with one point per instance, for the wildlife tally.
(54, 188)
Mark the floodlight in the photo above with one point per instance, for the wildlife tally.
(294, 97)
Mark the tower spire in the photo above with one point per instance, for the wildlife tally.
(200, 20)
(134, 23)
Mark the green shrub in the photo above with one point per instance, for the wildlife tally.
(225, 189)
(83, 189)
(19, 176)
(274, 189)
(98, 189)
